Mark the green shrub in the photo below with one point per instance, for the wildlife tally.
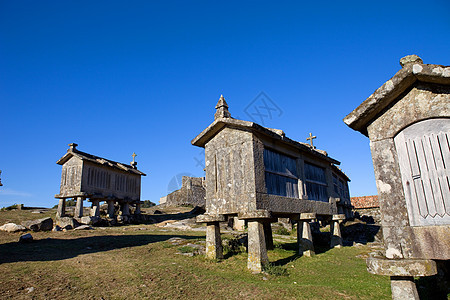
(282, 231)
(274, 270)
(147, 204)
(186, 249)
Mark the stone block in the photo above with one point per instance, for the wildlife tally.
(210, 218)
(307, 216)
(401, 267)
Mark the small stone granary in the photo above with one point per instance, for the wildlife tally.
(257, 174)
(85, 176)
(408, 123)
(192, 192)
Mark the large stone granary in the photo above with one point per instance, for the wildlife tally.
(86, 176)
(258, 174)
(407, 121)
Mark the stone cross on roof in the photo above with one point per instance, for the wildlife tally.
(134, 163)
(222, 109)
(310, 138)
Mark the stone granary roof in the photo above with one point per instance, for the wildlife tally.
(225, 120)
(74, 152)
(413, 71)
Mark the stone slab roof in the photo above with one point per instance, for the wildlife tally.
(413, 70)
(277, 134)
(73, 152)
(365, 202)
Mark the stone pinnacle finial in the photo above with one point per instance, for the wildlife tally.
(134, 163)
(0, 178)
(73, 146)
(410, 59)
(222, 109)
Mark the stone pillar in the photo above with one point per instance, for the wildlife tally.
(268, 235)
(138, 208)
(111, 209)
(61, 212)
(95, 208)
(257, 251)
(79, 207)
(125, 209)
(214, 248)
(335, 230)
(403, 288)
(304, 235)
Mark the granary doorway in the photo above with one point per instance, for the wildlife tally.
(424, 156)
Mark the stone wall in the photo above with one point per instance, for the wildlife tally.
(192, 192)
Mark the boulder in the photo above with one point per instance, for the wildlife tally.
(26, 238)
(83, 227)
(89, 220)
(67, 223)
(11, 227)
(45, 224)
(57, 228)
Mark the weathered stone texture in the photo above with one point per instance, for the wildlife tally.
(230, 173)
(407, 121)
(401, 267)
(257, 250)
(422, 102)
(214, 248)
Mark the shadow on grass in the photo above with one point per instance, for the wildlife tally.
(59, 249)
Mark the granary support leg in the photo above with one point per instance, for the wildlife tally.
(268, 235)
(61, 212)
(138, 208)
(95, 208)
(79, 207)
(111, 209)
(125, 209)
(304, 235)
(335, 229)
(214, 248)
(257, 250)
(403, 288)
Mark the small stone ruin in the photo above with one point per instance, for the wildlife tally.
(86, 176)
(407, 121)
(192, 192)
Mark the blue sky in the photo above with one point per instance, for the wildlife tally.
(119, 77)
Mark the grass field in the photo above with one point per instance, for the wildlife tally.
(140, 262)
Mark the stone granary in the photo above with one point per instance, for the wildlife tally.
(192, 192)
(86, 176)
(408, 123)
(257, 174)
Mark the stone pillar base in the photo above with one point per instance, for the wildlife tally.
(61, 212)
(79, 208)
(257, 250)
(304, 235)
(335, 229)
(95, 208)
(214, 248)
(403, 288)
